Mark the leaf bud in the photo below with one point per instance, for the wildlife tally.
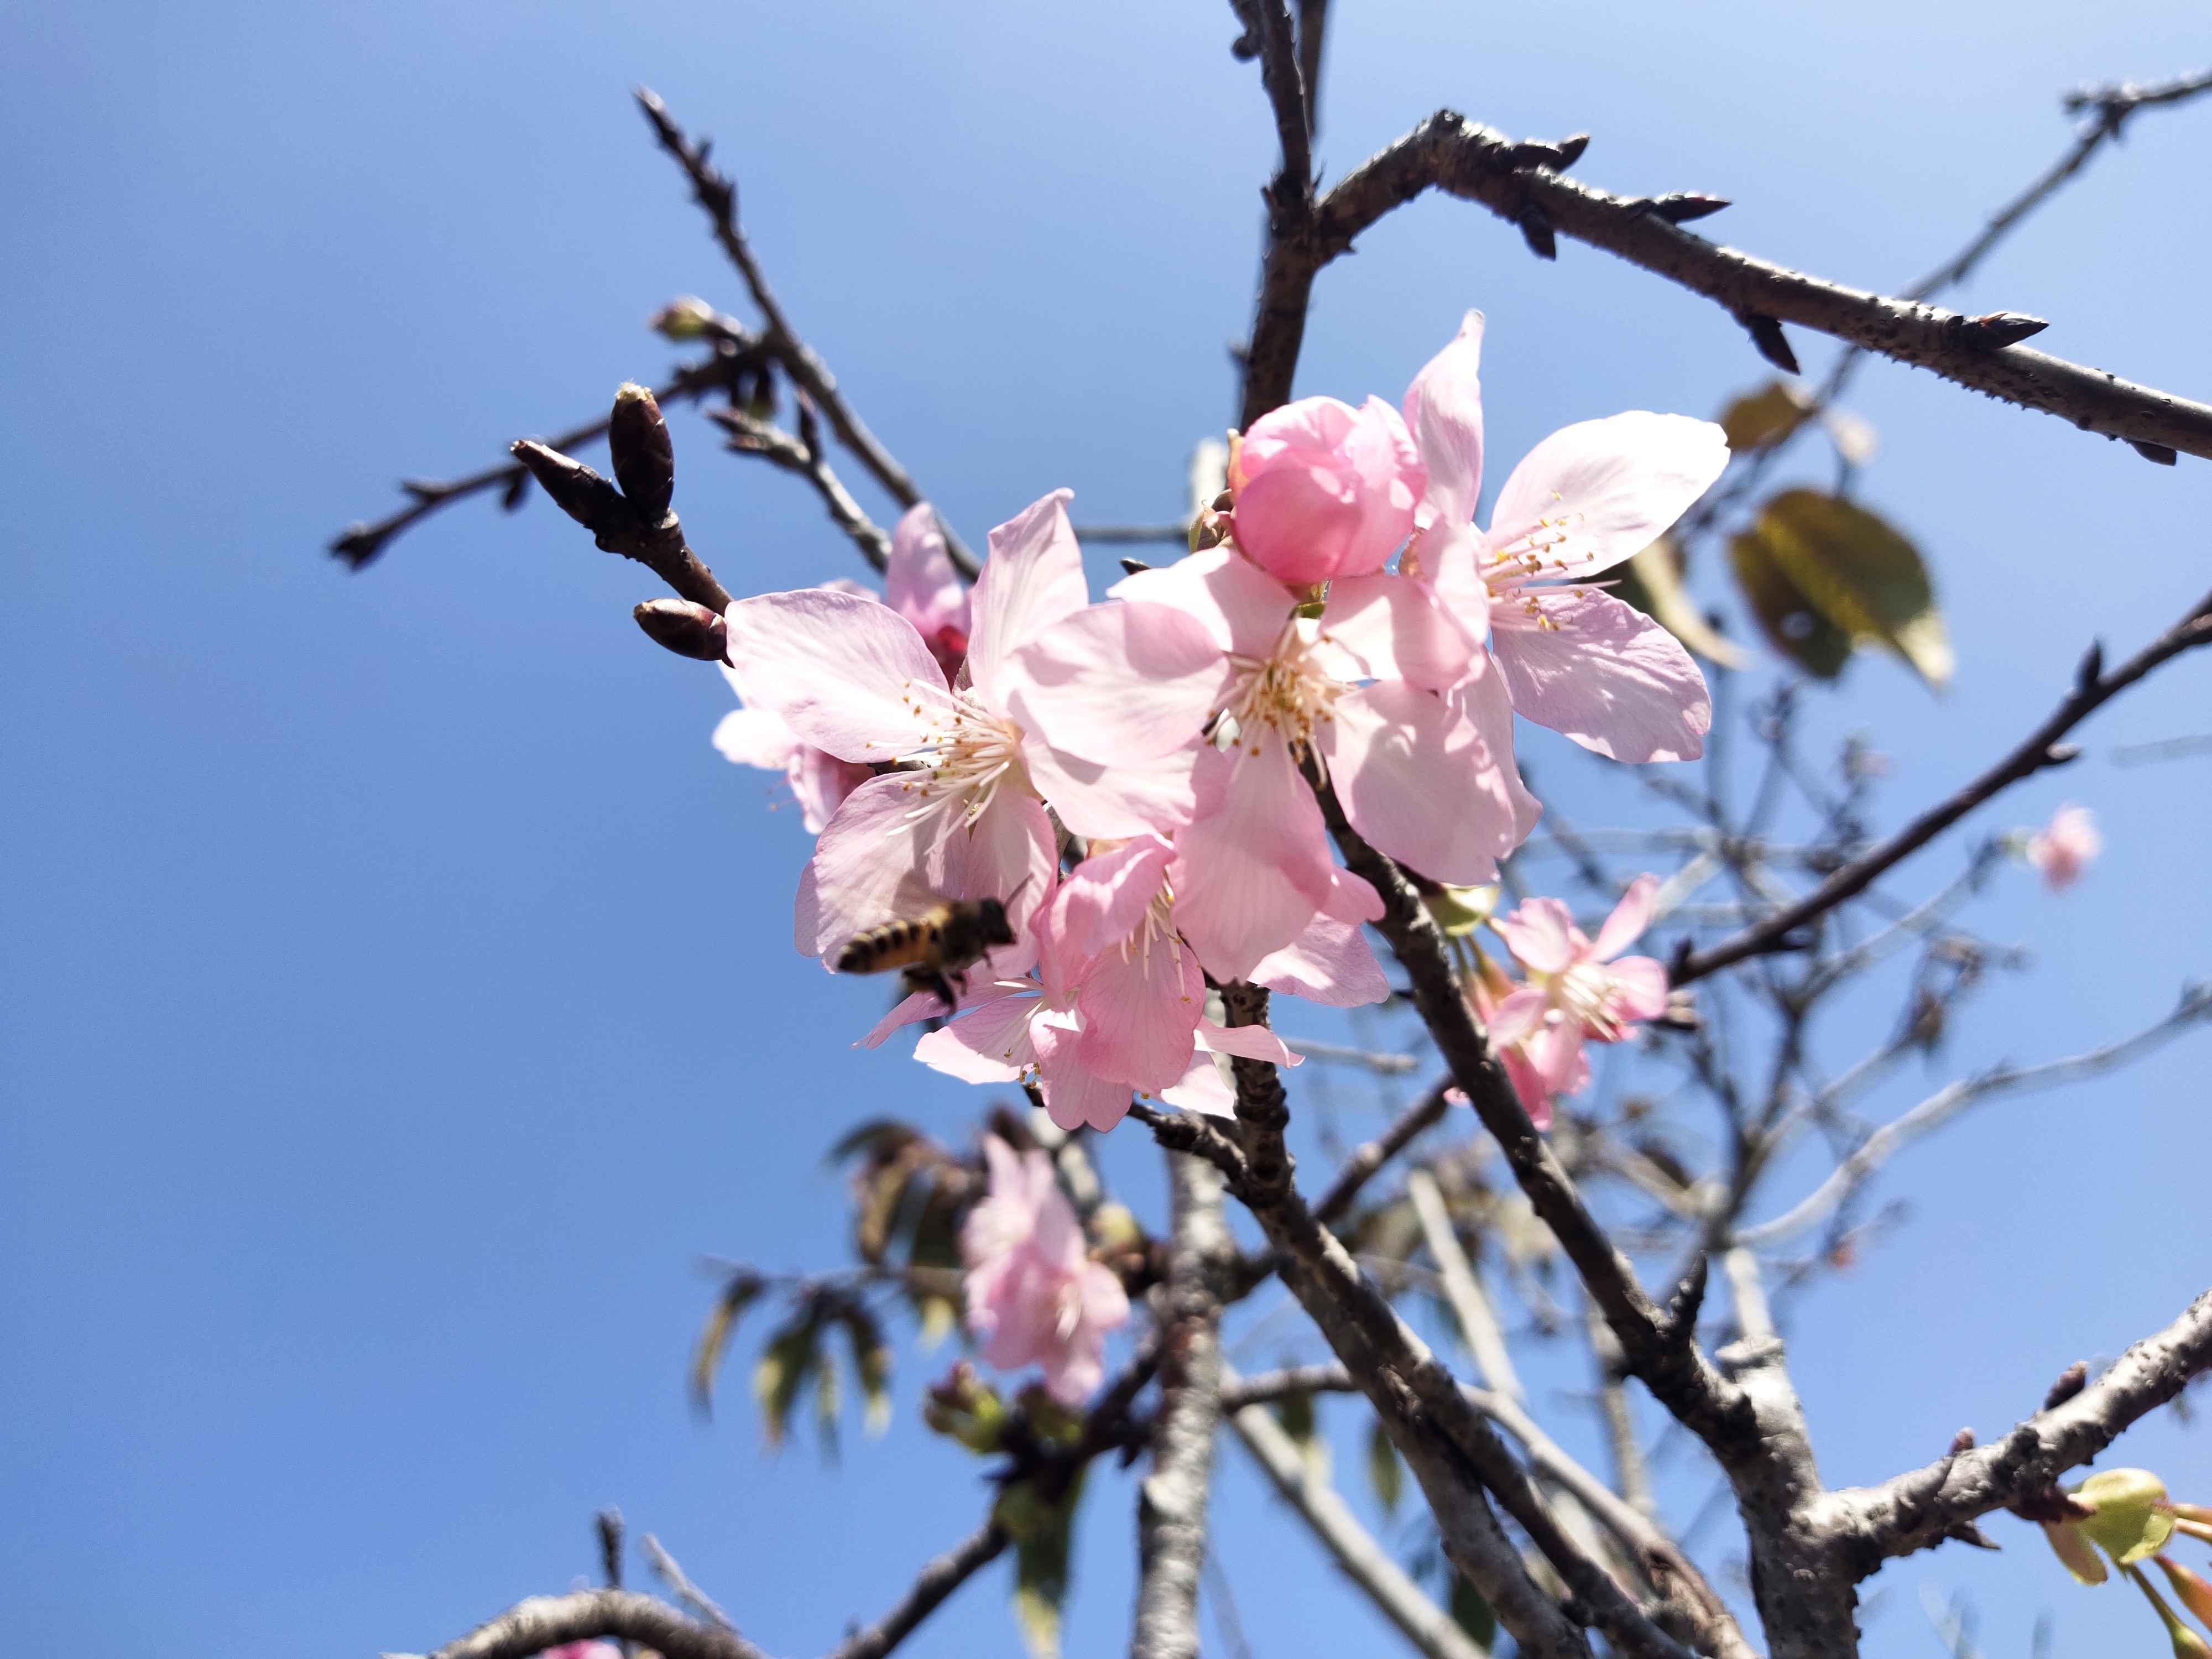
(2189, 1589)
(577, 490)
(644, 460)
(966, 1408)
(685, 319)
(688, 629)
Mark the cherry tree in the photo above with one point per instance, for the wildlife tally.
(1105, 832)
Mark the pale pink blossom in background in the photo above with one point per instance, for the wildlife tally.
(1212, 642)
(920, 584)
(1592, 494)
(2065, 848)
(1034, 1295)
(1324, 490)
(963, 817)
(1578, 990)
(819, 781)
(583, 1650)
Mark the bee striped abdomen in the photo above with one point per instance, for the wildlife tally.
(899, 944)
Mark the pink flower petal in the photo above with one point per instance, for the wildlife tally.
(846, 675)
(1482, 698)
(1248, 1042)
(1541, 935)
(1555, 1050)
(1610, 487)
(755, 737)
(1517, 1016)
(991, 1045)
(1241, 606)
(867, 868)
(1073, 1095)
(1119, 682)
(1105, 897)
(1628, 920)
(1394, 629)
(924, 1004)
(1033, 579)
(1608, 676)
(1330, 963)
(1443, 412)
(1352, 899)
(1254, 867)
(1641, 982)
(918, 581)
(819, 783)
(1528, 1083)
(1139, 1012)
(1417, 780)
(1202, 1089)
(1115, 799)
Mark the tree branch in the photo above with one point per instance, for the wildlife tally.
(1521, 183)
(1918, 1510)
(803, 455)
(1361, 1166)
(545, 1621)
(935, 1582)
(718, 197)
(2041, 748)
(1287, 264)
(1948, 1103)
(1171, 1510)
(1366, 1562)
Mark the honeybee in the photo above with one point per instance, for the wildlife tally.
(934, 948)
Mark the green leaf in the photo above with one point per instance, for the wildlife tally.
(1792, 624)
(1384, 1471)
(1470, 1611)
(1042, 1530)
(780, 1373)
(741, 1292)
(1861, 575)
(1652, 582)
(1761, 419)
(872, 1362)
(1295, 1411)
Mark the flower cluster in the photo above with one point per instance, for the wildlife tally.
(1135, 782)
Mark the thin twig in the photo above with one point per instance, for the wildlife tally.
(1384, 1065)
(1361, 1166)
(2041, 748)
(935, 1582)
(1948, 1103)
(718, 197)
(672, 1574)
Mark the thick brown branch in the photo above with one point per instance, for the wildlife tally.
(1451, 154)
(2041, 748)
(1918, 1510)
(718, 197)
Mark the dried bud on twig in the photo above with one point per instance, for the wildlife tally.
(1680, 207)
(1536, 231)
(2071, 1382)
(688, 629)
(577, 490)
(1995, 330)
(1766, 334)
(644, 458)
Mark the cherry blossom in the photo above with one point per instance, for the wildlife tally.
(1117, 1006)
(1571, 656)
(921, 585)
(2064, 849)
(1577, 992)
(584, 1650)
(1034, 1294)
(1324, 490)
(958, 809)
(1214, 644)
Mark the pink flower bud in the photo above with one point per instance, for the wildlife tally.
(1325, 491)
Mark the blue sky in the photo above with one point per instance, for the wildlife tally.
(395, 1002)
